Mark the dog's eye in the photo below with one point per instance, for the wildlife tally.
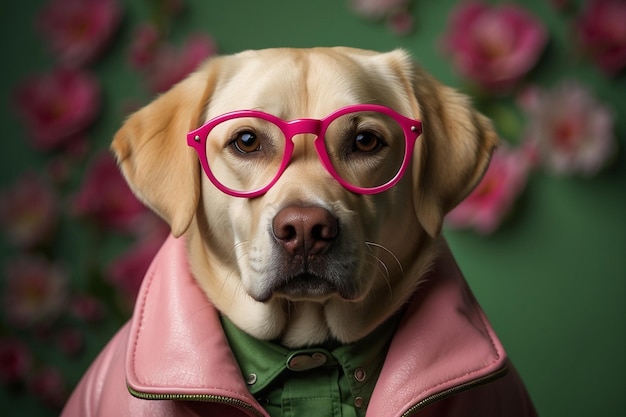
(246, 142)
(367, 142)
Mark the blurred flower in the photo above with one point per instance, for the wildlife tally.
(144, 47)
(127, 272)
(150, 226)
(401, 23)
(87, 308)
(571, 130)
(171, 66)
(162, 64)
(57, 106)
(28, 211)
(15, 361)
(489, 203)
(35, 291)
(494, 46)
(602, 33)
(395, 12)
(106, 198)
(78, 30)
(49, 386)
(70, 341)
(377, 9)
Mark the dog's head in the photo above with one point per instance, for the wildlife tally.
(319, 247)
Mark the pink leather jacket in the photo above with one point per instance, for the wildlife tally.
(172, 358)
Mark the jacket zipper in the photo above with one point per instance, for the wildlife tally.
(249, 407)
(197, 397)
(456, 390)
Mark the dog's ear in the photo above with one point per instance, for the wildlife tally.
(152, 151)
(453, 152)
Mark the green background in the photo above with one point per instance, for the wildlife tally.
(552, 279)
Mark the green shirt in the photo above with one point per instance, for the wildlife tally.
(326, 381)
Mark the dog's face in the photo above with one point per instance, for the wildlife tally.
(308, 237)
(308, 259)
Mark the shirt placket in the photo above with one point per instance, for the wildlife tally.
(312, 393)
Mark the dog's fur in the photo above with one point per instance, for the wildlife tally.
(384, 243)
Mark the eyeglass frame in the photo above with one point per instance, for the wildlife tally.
(412, 130)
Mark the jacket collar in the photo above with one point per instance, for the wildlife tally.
(177, 346)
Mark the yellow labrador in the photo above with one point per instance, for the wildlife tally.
(309, 187)
(384, 242)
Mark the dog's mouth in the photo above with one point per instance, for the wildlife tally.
(305, 286)
(308, 286)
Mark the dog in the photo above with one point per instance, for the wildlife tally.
(305, 190)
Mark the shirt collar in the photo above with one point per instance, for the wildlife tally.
(261, 362)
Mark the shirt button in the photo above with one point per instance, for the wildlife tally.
(358, 402)
(305, 361)
(360, 375)
(251, 379)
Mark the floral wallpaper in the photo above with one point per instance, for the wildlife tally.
(564, 129)
(561, 130)
(557, 130)
(41, 304)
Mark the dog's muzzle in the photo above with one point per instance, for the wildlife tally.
(307, 245)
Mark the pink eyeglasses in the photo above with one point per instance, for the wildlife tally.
(365, 147)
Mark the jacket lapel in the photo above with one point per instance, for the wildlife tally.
(444, 342)
(176, 345)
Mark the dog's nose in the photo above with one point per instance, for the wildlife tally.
(305, 230)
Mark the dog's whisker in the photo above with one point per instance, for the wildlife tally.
(381, 263)
(381, 266)
(378, 264)
(228, 279)
(288, 308)
(379, 246)
(235, 247)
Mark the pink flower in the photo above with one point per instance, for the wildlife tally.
(15, 361)
(602, 33)
(494, 46)
(49, 386)
(28, 211)
(57, 106)
(106, 198)
(486, 207)
(78, 30)
(35, 291)
(126, 273)
(163, 65)
(571, 130)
